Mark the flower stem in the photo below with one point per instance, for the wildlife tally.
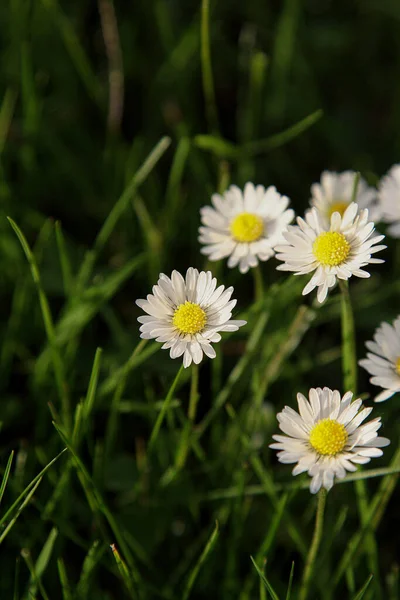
(349, 358)
(319, 522)
(258, 283)
(184, 444)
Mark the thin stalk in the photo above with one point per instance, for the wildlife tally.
(194, 394)
(208, 84)
(319, 523)
(349, 361)
(184, 445)
(258, 283)
(349, 358)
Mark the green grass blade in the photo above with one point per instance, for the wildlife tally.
(92, 388)
(64, 581)
(280, 139)
(28, 488)
(65, 263)
(124, 572)
(42, 562)
(203, 557)
(224, 149)
(163, 411)
(364, 588)
(76, 51)
(97, 502)
(6, 475)
(57, 361)
(92, 559)
(265, 581)
(206, 69)
(119, 208)
(19, 510)
(138, 356)
(289, 589)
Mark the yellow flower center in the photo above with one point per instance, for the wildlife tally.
(189, 318)
(338, 206)
(397, 368)
(247, 227)
(331, 248)
(328, 437)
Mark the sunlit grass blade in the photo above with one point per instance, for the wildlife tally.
(138, 356)
(124, 572)
(42, 562)
(265, 581)
(202, 559)
(6, 475)
(364, 588)
(57, 361)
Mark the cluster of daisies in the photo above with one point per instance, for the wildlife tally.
(335, 240)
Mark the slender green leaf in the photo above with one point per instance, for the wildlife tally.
(6, 475)
(265, 581)
(203, 557)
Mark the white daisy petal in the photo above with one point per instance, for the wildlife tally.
(325, 438)
(334, 250)
(388, 195)
(244, 226)
(383, 362)
(186, 314)
(334, 193)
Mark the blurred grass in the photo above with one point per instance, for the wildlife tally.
(117, 122)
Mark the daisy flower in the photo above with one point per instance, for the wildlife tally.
(389, 194)
(334, 194)
(383, 362)
(336, 252)
(244, 225)
(187, 314)
(326, 438)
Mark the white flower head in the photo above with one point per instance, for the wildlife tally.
(334, 193)
(337, 252)
(383, 362)
(244, 225)
(389, 198)
(187, 314)
(326, 438)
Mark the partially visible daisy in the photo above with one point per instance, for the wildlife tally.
(187, 314)
(336, 252)
(244, 225)
(334, 194)
(327, 439)
(383, 362)
(389, 198)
